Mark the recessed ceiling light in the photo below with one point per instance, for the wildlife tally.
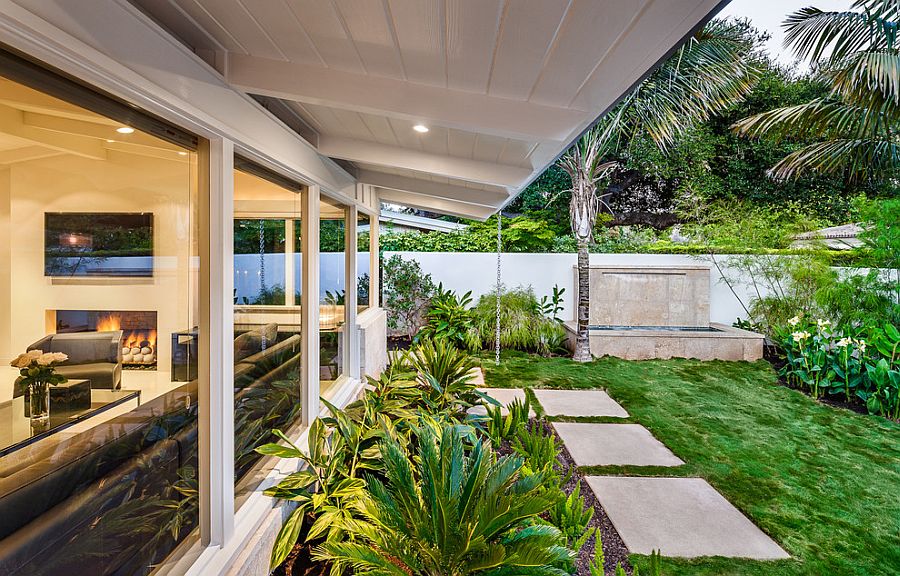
(125, 130)
(182, 153)
(108, 141)
(420, 128)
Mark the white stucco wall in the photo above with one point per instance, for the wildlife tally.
(477, 272)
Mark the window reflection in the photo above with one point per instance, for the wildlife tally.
(363, 261)
(266, 321)
(98, 261)
(332, 290)
(259, 261)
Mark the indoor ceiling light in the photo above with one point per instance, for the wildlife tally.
(182, 153)
(125, 130)
(108, 141)
(420, 128)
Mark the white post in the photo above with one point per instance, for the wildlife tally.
(351, 330)
(289, 289)
(216, 362)
(374, 258)
(309, 305)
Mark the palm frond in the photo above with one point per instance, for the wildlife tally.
(708, 74)
(857, 124)
(869, 77)
(818, 118)
(858, 159)
(815, 34)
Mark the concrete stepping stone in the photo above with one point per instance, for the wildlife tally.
(504, 396)
(476, 376)
(578, 403)
(614, 445)
(683, 517)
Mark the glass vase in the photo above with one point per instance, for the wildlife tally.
(39, 405)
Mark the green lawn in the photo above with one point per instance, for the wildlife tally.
(823, 482)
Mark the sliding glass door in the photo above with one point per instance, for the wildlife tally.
(267, 317)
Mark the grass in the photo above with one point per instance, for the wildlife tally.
(823, 482)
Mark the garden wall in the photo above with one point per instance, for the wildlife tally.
(478, 272)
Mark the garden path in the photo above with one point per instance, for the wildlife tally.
(684, 517)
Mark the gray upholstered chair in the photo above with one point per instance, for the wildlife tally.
(94, 356)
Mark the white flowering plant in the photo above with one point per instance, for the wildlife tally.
(859, 362)
(37, 366)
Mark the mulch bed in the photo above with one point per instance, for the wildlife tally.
(614, 549)
(299, 562)
(398, 343)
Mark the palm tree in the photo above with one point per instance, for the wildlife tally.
(854, 127)
(710, 72)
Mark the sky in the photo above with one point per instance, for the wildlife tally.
(767, 15)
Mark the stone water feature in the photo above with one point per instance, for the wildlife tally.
(641, 313)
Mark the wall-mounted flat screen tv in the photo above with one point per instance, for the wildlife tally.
(98, 244)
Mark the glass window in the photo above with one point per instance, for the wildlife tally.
(99, 264)
(267, 379)
(363, 261)
(332, 290)
(259, 261)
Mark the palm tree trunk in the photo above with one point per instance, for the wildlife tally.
(582, 334)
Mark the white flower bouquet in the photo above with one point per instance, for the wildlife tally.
(37, 367)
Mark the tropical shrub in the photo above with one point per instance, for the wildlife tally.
(445, 375)
(520, 234)
(572, 518)
(407, 294)
(596, 567)
(524, 325)
(448, 317)
(325, 490)
(499, 427)
(403, 481)
(538, 447)
(443, 509)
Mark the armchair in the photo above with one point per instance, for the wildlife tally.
(94, 356)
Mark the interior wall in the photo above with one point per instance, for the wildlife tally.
(121, 183)
(5, 345)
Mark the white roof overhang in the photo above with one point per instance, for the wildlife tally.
(504, 86)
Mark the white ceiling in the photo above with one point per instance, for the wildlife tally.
(503, 85)
(34, 126)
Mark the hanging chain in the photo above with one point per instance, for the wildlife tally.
(499, 247)
(262, 271)
(262, 259)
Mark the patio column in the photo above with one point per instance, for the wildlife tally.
(351, 330)
(216, 362)
(375, 258)
(309, 304)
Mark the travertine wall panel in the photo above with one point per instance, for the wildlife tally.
(649, 296)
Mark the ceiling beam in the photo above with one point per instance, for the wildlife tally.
(26, 153)
(432, 204)
(13, 123)
(419, 161)
(434, 189)
(102, 132)
(469, 111)
(21, 97)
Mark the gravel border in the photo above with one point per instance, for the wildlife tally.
(614, 549)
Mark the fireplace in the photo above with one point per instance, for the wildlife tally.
(138, 331)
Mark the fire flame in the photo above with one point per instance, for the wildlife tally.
(130, 338)
(109, 323)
